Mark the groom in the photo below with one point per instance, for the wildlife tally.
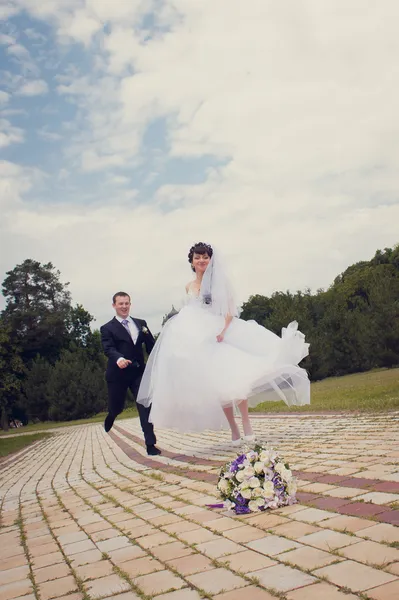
(122, 340)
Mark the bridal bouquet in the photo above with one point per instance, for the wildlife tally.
(255, 481)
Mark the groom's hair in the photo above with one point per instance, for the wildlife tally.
(114, 297)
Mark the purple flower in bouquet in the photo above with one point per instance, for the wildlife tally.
(235, 465)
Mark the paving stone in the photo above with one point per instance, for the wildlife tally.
(57, 587)
(197, 536)
(282, 578)
(307, 558)
(170, 551)
(52, 572)
(124, 596)
(157, 539)
(295, 529)
(272, 545)
(106, 586)
(53, 558)
(243, 534)
(328, 540)
(159, 582)
(189, 565)
(251, 592)
(248, 560)
(16, 574)
(141, 566)
(15, 561)
(218, 548)
(381, 533)
(184, 594)
(311, 515)
(319, 591)
(371, 553)
(389, 591)
(78, 547)
(217, 580)
(346, 523)
(95, 570)
(84, 558)
(355, 576)
(15, 589)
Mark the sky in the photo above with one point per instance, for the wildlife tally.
(131, 129)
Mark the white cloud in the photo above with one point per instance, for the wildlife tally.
(9, 134)
(4, 97)
(297, 100)
(36, 87)
(49, 136)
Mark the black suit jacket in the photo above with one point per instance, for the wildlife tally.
(117, 343)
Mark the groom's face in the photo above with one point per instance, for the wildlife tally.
(122, 306)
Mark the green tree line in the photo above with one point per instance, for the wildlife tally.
(52, 365)
(352, 326)
(51, 362)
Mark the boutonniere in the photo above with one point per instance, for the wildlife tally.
(144, 329)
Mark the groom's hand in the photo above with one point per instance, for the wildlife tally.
(123, 363)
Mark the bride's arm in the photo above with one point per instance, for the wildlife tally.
(227, 320)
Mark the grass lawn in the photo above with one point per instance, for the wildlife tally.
(128, 413)
(372, 391)
(14, 444)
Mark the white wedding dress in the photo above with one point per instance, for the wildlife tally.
(190, 376)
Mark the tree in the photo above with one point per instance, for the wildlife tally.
(11, 371)
(37, 308)
(35, 389)
(76, 386)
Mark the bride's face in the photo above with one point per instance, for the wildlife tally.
(200, 262)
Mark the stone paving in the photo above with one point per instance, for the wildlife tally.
(87, 515)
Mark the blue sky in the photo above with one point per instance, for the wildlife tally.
(130, 130)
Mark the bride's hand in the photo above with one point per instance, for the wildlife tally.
(220, 337)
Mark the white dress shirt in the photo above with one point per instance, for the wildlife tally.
(133, 329)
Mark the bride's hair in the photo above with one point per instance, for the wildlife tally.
(199, 248)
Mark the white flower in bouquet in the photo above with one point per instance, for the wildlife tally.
(224, 486)
(254, 482)
(228, 475)
(252, 456)
(259, 467)
(269, 473)
(246, 493)
(249, 472)
(240, 476)
(253, 506)
(258, 492)
(229, 505)
(264, 457)
(268, 488)
(292, 488)
(273, 503)
(260, 502)
(284, 473)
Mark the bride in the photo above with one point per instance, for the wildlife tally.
(207, 361)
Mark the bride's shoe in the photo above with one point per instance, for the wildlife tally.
(236, 442)
(250, 438)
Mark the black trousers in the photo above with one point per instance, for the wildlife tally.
(117, 391)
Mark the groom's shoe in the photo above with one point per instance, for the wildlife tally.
(109, 421)
(153, 450)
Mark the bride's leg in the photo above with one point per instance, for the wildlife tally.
(235, 432)
(246, 423)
